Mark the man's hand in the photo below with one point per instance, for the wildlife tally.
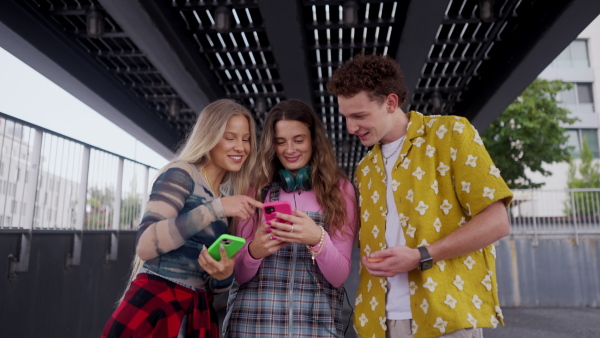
(395, 260)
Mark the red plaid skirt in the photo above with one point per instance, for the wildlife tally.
(155, 307)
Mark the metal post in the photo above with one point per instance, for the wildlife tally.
(21, 263)
(574, 210)
(145, 191)
(113, 251)
(535, 229)
(74, 258)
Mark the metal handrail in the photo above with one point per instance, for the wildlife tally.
(555, 212)
(49, 181)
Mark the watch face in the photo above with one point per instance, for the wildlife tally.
(426, 265)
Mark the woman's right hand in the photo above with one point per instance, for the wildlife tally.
(264, 244)
(240, 206)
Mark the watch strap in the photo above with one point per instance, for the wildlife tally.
(426, 260)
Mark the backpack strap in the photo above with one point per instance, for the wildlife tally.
(274, 189)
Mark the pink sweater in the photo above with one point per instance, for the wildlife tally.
(334, 259)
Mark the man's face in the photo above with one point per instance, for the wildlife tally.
(365, 118)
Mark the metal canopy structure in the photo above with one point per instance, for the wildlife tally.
(151, 65)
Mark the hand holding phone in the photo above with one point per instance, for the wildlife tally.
(231, 243)
(283, 207)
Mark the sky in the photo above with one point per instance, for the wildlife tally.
(29, 96)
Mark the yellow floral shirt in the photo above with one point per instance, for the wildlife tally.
(443, 177)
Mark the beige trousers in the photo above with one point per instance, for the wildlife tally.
(402, 329)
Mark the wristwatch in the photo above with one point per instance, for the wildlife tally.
(426, 260)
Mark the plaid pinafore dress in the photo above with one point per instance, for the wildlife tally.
(288, 297)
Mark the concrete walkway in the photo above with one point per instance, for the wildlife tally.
(548, 323)
(540, 323)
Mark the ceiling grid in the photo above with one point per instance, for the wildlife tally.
(157, 63)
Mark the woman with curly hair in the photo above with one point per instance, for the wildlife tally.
(290, 272)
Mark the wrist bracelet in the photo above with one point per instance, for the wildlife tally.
(319, 245)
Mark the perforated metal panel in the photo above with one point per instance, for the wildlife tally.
(459, 56)
(120, 57)
(241, 58)
(465, 66)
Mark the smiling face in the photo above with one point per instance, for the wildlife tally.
(367, 118)
(233, 148)
(293, 144)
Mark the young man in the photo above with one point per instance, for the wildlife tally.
(431, 205)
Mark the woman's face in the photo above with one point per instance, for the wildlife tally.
(293, 144)
(233, 148)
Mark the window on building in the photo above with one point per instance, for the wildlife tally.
(574, 56)
(578, 99)
(576, 137)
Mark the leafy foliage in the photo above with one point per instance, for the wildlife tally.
(100, 209)
(585, 202)
(130, 211)
(99, 213)
(529, 133)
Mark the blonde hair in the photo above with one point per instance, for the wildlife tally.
(204, 136)
(325, 173)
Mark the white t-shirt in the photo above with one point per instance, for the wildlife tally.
(397, 304)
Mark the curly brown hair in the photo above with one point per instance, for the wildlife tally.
(325, 173)
(378, 75)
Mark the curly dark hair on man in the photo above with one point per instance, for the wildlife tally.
(378, 75)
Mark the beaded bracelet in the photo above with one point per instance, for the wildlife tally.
(320, 245)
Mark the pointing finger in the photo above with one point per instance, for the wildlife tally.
(254, 203)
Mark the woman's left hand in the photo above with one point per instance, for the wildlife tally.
(303, 229)
(219, 270)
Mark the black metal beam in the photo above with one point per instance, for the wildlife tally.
(284, 26)
(552, 29)
(153, 27)
(423, 19)
(35, 40)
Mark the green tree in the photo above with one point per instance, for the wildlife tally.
(131, 207)
(100, 208)
(529, 133)
(586, 202)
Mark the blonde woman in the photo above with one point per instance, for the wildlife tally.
(192, 197)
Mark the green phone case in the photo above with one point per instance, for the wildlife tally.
(231, 243)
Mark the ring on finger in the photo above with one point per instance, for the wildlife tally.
(270, 236)
(292, 229)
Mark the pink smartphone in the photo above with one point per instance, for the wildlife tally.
(283, 207)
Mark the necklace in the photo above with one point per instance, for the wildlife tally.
(386, 158)
(209, 183)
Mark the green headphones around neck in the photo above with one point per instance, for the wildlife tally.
(301, 182)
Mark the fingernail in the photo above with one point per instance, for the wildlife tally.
(268, 230)
(274, 238)
(268, 223)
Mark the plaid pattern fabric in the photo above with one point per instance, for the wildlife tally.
(289, 296)
(156, 307)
